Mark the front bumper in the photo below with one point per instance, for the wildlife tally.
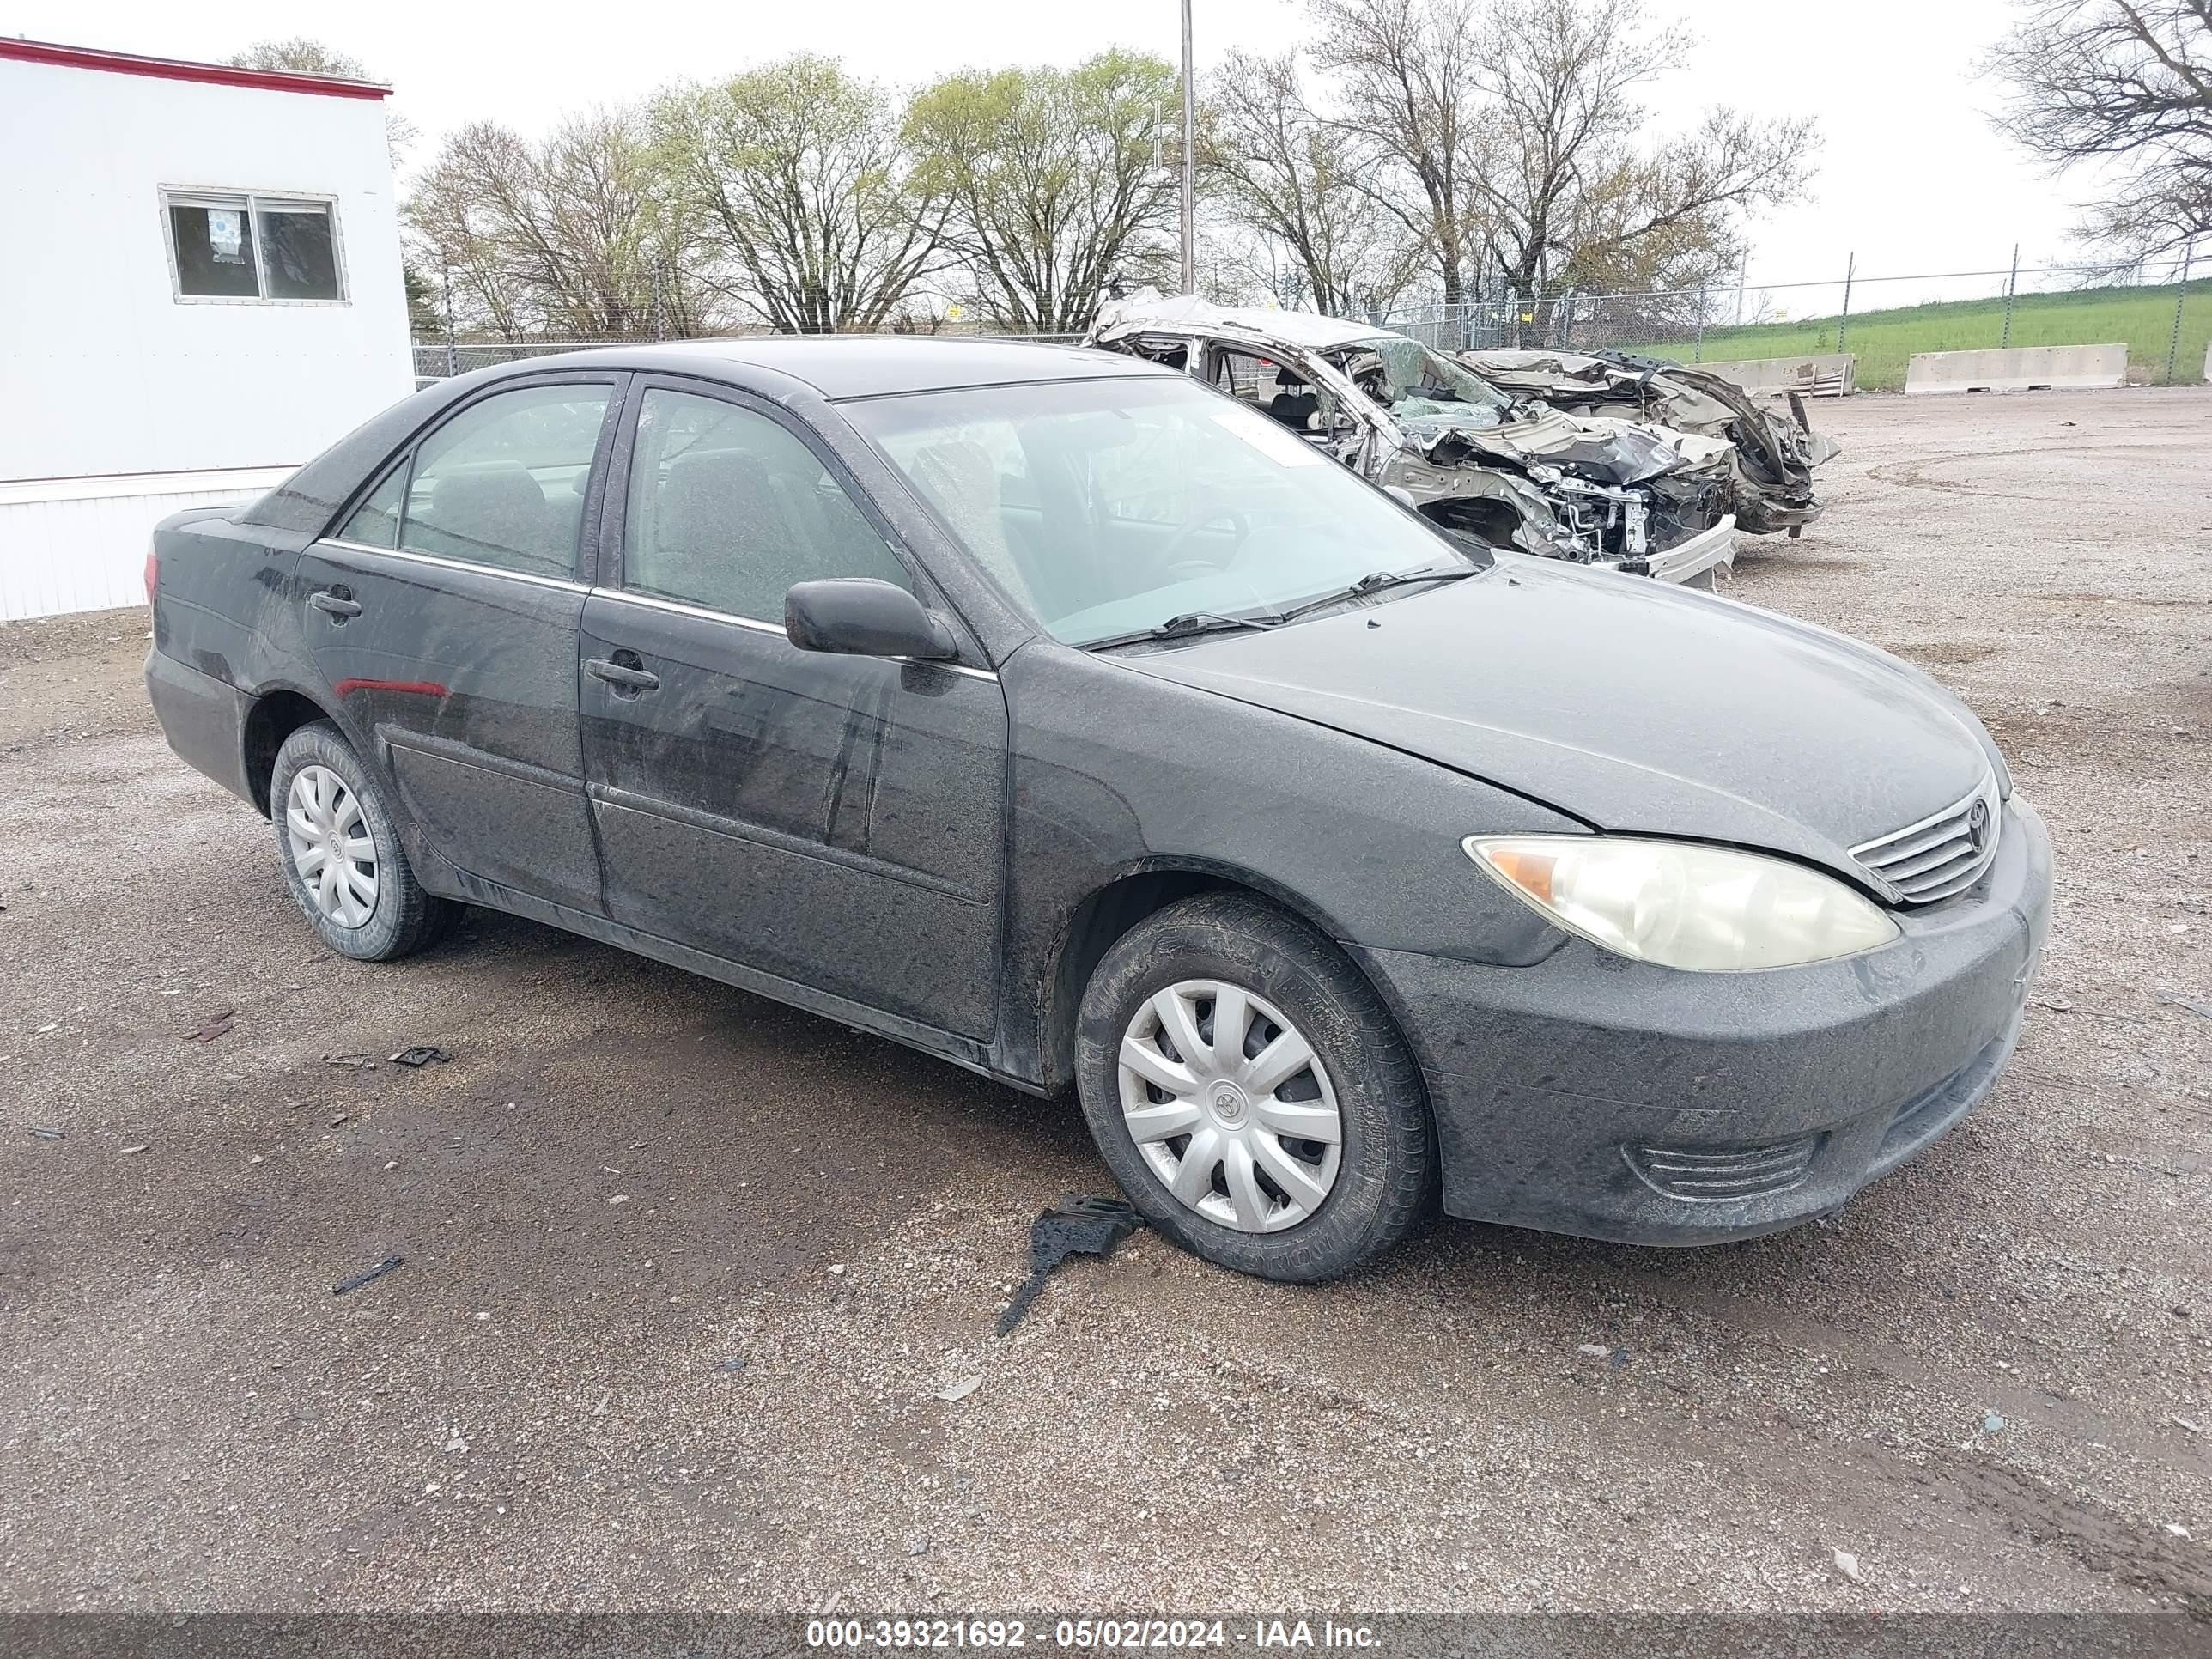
(1590, 1094)
(1692, 558)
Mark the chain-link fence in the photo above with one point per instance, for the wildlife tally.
(2161, 310)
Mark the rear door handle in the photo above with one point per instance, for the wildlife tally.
(628, 677)
(334, 602)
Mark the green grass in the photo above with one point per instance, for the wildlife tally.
(2142, 317)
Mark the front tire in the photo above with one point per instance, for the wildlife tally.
(340, 848)
(1251, 1094)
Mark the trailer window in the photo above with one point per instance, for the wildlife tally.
(250, 246)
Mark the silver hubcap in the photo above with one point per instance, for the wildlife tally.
(331, 846)
(1229, 1106)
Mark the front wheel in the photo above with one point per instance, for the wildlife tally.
(1251, 1094)
(341, 852)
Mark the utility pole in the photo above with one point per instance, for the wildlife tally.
(1844, 319)
(1190, 162)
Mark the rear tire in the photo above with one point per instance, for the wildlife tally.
(1229, 1153)
(340, 847)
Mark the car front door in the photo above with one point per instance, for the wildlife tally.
(442, 615)
(834, 822)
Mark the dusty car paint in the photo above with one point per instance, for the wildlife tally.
(1627, 493)
(1774, 447)
(939, 852)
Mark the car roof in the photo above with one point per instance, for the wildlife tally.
(1188, 315)
(872, 364)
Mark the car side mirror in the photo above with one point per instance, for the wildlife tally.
(861, 617)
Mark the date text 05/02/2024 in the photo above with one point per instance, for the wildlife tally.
(1100, 1635)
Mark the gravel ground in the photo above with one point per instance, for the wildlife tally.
(686, 1272)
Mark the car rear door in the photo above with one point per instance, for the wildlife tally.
(442, 615)
(834, 822)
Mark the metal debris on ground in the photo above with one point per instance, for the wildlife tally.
(366, 1275)
(49, 1134)
(961, 1390)
(1078, 1224)
(422, 1055)
(2190, 1003)
(216, 1026)
(360, 1062)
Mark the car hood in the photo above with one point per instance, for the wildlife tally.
(1632, 705)
(1599, 448)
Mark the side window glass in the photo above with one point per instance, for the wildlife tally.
(376, 522)
(727, 509)
(502, 482)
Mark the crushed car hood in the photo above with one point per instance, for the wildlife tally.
(1609, 451)
(1635, 707)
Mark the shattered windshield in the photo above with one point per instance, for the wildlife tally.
(1107, 507)
(1411, 380)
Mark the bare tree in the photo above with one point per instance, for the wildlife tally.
(810, 209)
(1057, 180)
(1405, 83)
(576, 236)
(1283, 173)
(2127, 83)
(1520, 129)
(300, 55)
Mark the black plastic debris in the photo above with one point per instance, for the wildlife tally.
(422, 1055)
(366, 1275)
(1078, 1224)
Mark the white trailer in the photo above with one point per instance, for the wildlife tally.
(201, 288)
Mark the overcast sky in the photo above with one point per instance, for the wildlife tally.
(1911, 178)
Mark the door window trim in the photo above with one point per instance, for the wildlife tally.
(614, 510)
(618, 382)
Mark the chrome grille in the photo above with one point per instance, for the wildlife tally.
(1940, 855)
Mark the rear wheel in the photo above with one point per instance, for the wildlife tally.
(1251, 1094)
(341, 852)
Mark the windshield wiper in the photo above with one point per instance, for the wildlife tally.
(1186, 625)
(1376, 580)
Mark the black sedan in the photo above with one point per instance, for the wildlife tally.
(1067, 719)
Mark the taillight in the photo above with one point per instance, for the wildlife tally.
(153, 574)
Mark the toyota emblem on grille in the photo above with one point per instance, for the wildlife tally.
(1977, 825)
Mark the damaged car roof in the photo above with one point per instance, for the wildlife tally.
(1187, 311)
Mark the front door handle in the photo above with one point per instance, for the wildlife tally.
(338, 603)
(625, 672)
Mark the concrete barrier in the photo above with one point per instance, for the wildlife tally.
(2022, 369)
(1827, 375)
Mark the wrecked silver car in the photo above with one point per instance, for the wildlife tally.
(1628, 495)
(1776, 448)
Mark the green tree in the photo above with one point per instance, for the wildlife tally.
(299, 55)
(1058, 181)
(806, 204)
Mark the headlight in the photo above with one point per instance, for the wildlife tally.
(1682, 905)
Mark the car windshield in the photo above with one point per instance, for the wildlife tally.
(1106, 507)
(1410, 379)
